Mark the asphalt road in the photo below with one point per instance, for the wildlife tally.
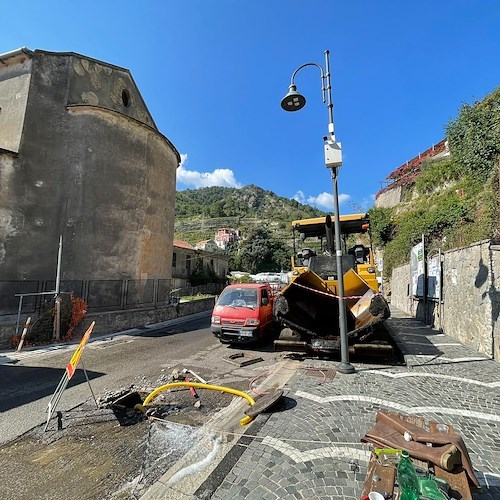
(143, 357)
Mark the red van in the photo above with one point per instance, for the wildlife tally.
(243, 313)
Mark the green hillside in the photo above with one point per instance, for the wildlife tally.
(455, 201)
(200, 212)
(263, 219)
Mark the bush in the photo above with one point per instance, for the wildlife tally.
(474, 136)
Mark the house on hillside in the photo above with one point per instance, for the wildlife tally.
(405, 175)
(185, 259)
(207, 245)
(225, 236)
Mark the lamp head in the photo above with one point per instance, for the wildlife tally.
(293, 101)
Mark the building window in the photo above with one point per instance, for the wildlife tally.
(188, 264)
(126, 98)
(174, 259)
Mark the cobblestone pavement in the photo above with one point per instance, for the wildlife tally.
(312, 448)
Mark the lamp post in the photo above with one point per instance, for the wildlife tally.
(294, 101)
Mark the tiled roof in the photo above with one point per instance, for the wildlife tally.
(182, 244)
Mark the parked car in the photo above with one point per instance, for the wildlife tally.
(243, 313)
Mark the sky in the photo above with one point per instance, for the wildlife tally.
(213, 73)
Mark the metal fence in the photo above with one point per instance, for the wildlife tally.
(189, 291)
(100, 295)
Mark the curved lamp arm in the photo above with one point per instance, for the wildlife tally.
(323, 76)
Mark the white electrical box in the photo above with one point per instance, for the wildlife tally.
(333, 154)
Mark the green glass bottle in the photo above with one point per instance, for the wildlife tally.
(407, 478)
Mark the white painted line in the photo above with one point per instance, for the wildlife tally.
(433, 375)
(449, 360)
(398, 406)
(334, 451)
(431, 344)
(423, 335)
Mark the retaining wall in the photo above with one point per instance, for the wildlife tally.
(470, 305)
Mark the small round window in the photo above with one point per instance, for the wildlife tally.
(126, 98)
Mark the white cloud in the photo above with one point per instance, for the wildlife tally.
(325, 200)
(299, 197)
(191, 178)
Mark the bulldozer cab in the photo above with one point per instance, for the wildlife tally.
(314, 247)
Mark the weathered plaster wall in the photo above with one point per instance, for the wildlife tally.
(14, 88)
(93, 168)
(471, 297)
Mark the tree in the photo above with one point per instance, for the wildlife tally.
(259, 252)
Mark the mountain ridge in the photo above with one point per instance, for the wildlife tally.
(200, 212)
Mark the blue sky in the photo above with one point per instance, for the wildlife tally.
(213, 73)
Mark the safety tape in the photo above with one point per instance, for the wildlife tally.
(345, 297)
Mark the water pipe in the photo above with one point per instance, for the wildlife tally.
(234, 392)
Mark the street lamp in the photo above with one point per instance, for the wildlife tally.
(294, 101)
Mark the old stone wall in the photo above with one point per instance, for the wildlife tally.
(467, 311)
(470, 306)
(389, 198)
(400, 286)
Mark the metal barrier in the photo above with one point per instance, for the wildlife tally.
(100, 295)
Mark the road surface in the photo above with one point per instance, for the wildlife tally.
(143, 357)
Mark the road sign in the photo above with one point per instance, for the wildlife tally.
(70, 370)
(71, 366)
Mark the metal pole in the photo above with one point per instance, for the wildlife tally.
(58, 272)
(19, 312)
(57, 305)
(344, 366)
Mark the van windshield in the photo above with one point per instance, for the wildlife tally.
(238, 298)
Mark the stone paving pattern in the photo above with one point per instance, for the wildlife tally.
(312, 449)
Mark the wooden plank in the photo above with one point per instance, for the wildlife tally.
(457, 478)
(379, 478)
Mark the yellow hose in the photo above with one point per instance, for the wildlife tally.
(198, 385)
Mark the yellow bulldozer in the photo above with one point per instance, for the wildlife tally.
(307, 308)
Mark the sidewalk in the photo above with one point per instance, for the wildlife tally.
(313, 450)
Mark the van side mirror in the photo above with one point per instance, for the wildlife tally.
(265, 301)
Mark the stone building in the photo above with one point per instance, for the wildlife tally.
(81, 158)
(186, 258)
(207, 245)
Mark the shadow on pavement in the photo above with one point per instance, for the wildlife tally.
(24, 384)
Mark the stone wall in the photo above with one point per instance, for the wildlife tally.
(400, 286)
(470, 306)
(467, 282)
(389, 198)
